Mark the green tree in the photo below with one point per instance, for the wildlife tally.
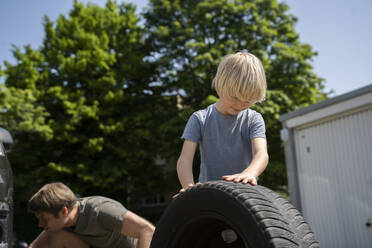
(189, 38)
(97, 102)
(82, 108)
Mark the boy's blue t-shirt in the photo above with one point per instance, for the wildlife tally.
(224, 140)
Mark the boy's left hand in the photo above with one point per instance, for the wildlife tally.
(184, 189)
(241, 177)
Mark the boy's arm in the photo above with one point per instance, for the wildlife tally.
(40, 241)
(137, 227)
(260, 157)
(184, 164)
(257, 166)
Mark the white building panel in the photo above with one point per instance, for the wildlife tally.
(334, 162)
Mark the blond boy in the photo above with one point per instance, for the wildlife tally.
(231, 136)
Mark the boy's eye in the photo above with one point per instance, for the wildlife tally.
(235, 99)
(245, 102)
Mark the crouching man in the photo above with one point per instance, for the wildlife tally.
(89, 222)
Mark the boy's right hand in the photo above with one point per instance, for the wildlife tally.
(184, 189)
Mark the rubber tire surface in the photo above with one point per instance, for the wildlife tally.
(259, 217)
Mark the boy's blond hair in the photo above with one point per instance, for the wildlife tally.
(51, 198)
(241, 76)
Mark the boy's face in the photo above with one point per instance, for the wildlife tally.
(49, 222)
(232, 106)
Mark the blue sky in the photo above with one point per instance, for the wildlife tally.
(339, 30)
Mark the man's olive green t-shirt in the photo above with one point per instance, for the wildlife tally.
(100, 222)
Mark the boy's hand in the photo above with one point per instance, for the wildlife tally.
(241, 177)
(183, 190)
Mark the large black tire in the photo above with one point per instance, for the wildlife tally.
(259, 217)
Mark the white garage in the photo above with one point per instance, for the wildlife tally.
(328, 150)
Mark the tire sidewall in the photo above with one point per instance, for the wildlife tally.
(207, 203)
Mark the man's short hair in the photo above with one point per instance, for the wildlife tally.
(241, 76)
(51, 198)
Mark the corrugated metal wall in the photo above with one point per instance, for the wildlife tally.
(334, 161)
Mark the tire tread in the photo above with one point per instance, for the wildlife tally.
(269, 209)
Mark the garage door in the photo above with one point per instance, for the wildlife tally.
(334, 161)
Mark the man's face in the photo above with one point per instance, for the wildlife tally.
(49, 222)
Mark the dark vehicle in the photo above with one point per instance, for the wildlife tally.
(6, 194)
(6, 190)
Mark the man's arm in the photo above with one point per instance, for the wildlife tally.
(257, 166)
(40, 241)
(137, 227)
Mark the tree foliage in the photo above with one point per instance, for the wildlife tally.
(189, 38)
(81, 107)
(97, 102)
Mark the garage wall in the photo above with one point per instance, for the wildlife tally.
(334, 166)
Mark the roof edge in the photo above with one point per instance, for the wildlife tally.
(326, 103)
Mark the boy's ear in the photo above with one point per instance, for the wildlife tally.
(64, 211)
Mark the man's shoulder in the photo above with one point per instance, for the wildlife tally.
(95, 201)
(93, 198)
